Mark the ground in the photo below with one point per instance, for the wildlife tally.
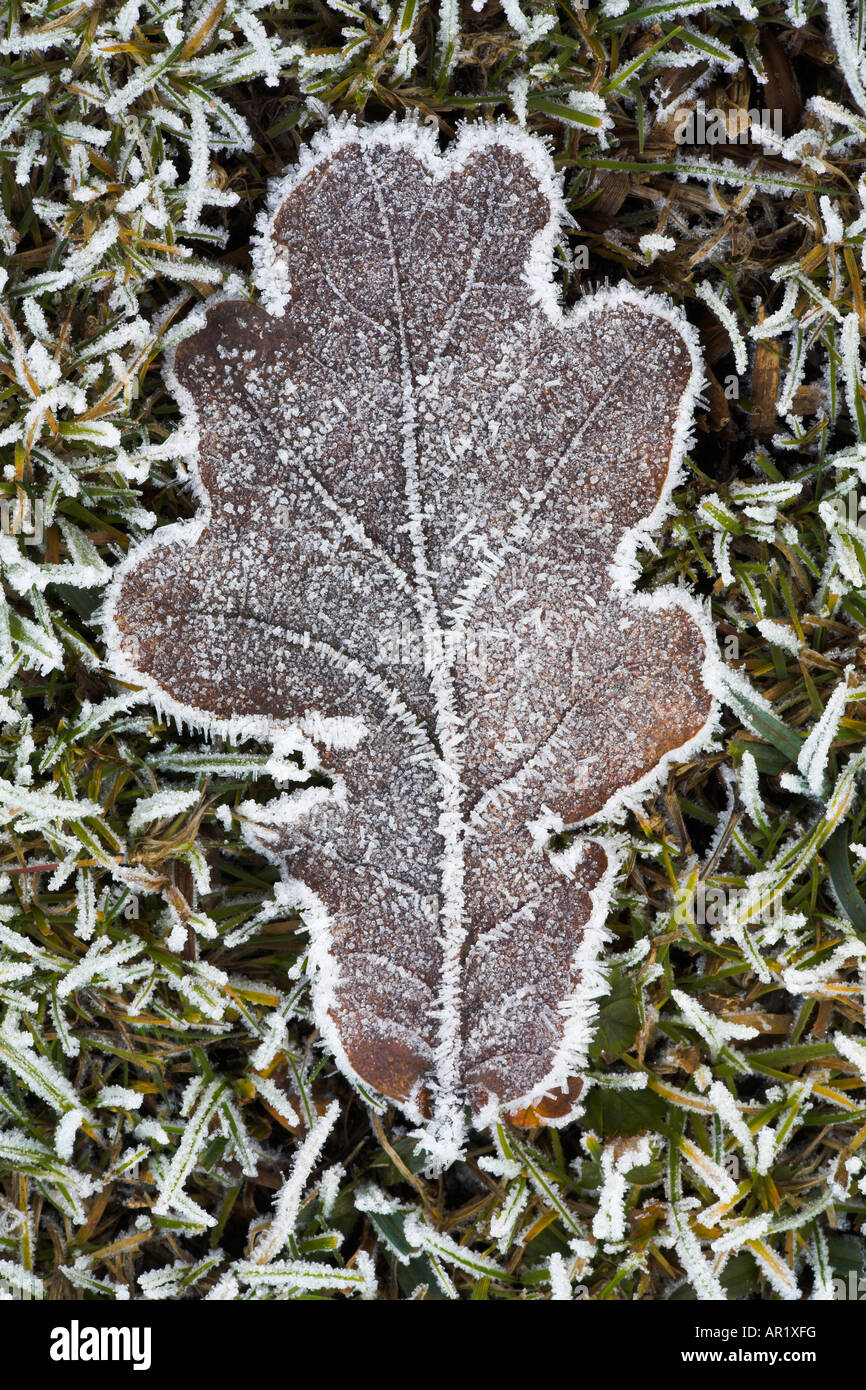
(160, 1078)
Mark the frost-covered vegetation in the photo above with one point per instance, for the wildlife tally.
(170, 1125)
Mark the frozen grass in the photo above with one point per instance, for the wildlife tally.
(169, 1126)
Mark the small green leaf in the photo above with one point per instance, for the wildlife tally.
(618, 1018)
(835, 852)
(623, 1112)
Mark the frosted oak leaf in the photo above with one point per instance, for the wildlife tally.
(423, 484)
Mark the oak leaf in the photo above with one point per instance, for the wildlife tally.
(423, 484)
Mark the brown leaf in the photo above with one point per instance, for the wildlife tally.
(719, 414)
(422, 486)
(782, 90)
(610, 190)
(765, 384)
